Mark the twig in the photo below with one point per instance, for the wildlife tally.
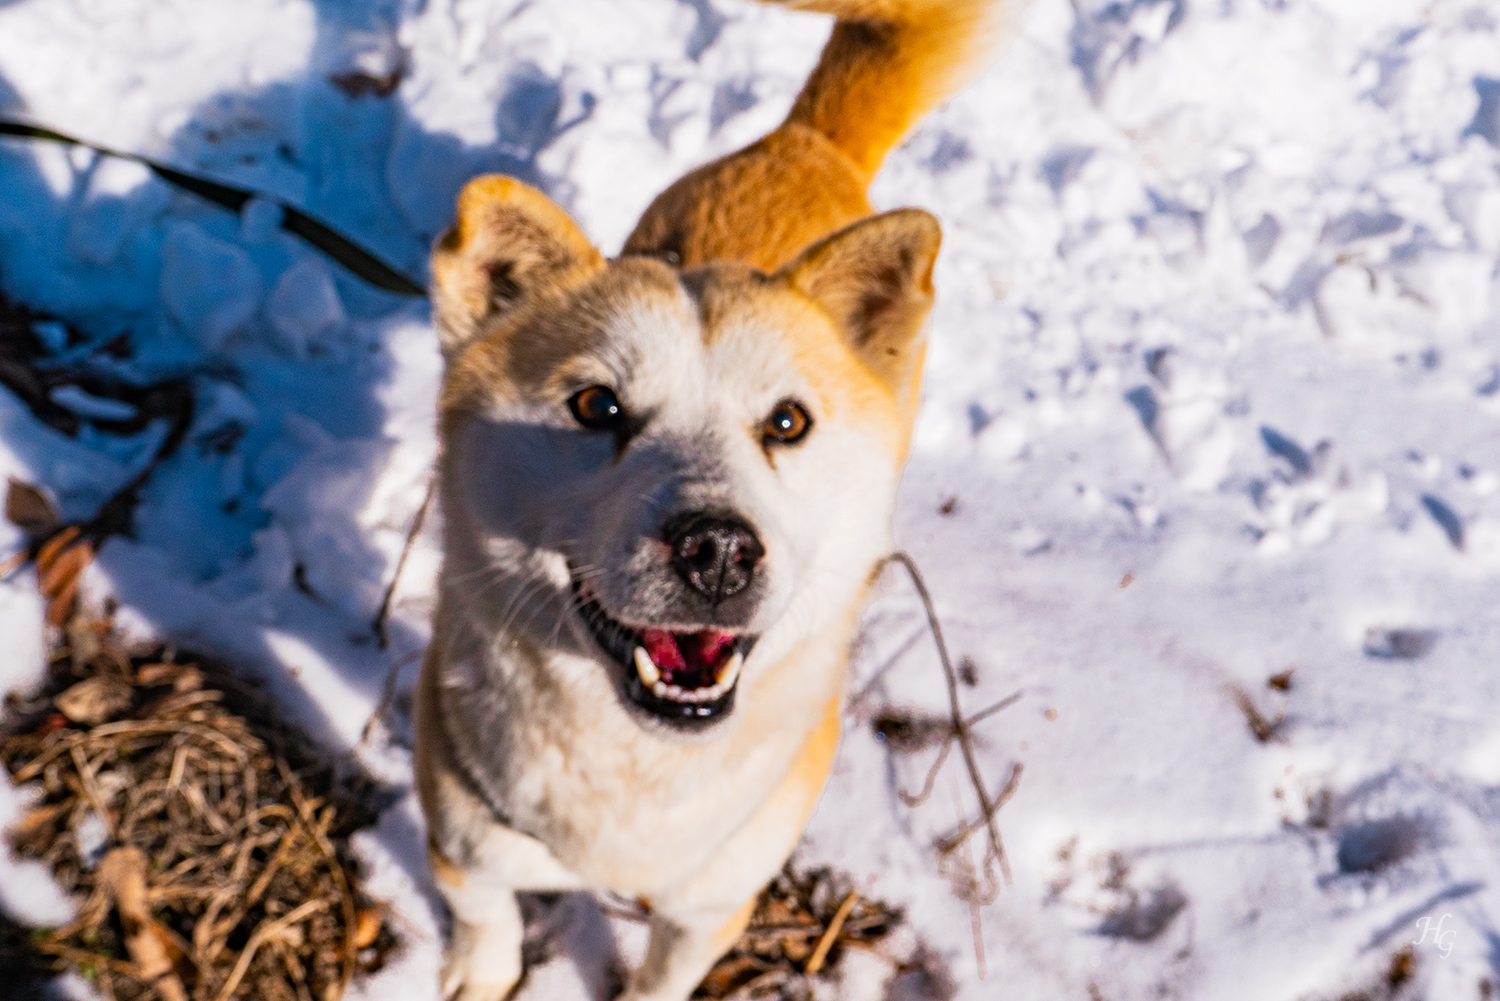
(86, 780)
(883, 669)
(1265, 730)
(387, 695)
(378, 625)
(820, 954)
(1001, 798)
(932, 774)
(960, 724)
(989, 711)
(976, 926)
(18, 560)
(267, 930)
(937, 765)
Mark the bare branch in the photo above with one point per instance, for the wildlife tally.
(378, 625)
(961, 732)
(932, 775)
(1001, 798)
(1004, 703)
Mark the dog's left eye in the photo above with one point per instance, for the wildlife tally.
(787, 424)
(597, 408)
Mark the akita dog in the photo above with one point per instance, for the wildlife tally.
(667, 482)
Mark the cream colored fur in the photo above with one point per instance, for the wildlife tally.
(536, 772)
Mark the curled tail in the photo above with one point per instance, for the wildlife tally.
(888, 63)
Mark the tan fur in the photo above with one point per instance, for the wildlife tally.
(534, 770)
(887, 63)
(512, 246)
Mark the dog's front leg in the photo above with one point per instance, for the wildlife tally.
(483, 958)
(682, 949)
(483, 961)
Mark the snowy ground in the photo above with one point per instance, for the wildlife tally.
(1214, 392)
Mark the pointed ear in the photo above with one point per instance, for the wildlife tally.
(874, 279)
(511, 244)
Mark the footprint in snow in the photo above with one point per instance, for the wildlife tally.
(1448, 519)
(1399, 644)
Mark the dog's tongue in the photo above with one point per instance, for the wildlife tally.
(697, 656)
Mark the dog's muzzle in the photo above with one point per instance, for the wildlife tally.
(687, 678)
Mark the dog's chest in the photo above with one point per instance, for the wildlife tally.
(629, 813)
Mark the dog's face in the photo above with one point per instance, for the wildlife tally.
(653, 473)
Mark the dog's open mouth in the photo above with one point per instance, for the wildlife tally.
(680, 675)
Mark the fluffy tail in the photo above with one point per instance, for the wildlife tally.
(888, 63)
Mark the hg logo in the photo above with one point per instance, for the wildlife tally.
(1434, 933)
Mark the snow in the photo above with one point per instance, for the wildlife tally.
(1213, 392)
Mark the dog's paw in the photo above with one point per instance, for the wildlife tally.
(460, 983)
(480, 967)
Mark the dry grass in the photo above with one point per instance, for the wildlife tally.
(800, 928)
(204, 840)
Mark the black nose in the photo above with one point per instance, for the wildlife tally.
(716, 554)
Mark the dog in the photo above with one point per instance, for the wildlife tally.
(667, 481)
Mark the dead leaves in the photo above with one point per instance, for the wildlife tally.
(95, 700)
(61, 554)
(800, 926)
(28, 509)
(60, 563)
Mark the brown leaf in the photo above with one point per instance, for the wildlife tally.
(151, 675)
(149, 950)
(182, 677)
(60, 608)
(123, 873)
(36, 819)
(95, 700)
(61, 571)
(62, 575)
(55, 545)
(153, 947)
(730, 973)
(28, 508)
(367, 927)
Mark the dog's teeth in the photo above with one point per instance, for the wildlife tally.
(659, 689)
(730, 672)
(646, 668)
(674, 692)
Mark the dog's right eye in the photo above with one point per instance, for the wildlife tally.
(597, 408)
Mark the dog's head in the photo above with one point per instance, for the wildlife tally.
(648, 473)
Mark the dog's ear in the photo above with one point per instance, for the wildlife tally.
(511, 244)
(874, 279)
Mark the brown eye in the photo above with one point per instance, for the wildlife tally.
(787, 424)
(597, 408)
